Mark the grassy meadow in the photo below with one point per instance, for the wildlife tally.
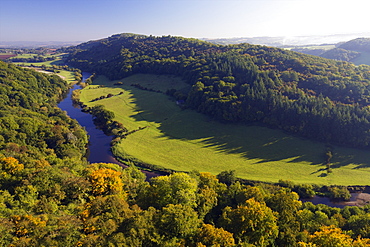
(68, 76)
(184, 140)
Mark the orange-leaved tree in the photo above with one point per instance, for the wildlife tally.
(105, 179)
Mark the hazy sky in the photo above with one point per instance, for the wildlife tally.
(83, 20)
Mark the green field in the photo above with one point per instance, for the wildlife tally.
(69, 76)
(57, 61)
(312, 47)
(185, 140)
(66, 75)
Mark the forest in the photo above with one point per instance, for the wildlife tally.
(309, 96)
(51, 196)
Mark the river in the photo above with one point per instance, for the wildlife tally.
(357, 199)
(99, 143)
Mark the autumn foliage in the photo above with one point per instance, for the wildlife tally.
(106, 181)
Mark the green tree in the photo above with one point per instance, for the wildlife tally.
(178, 221)
(287, 205)
(104, 215)
(133, 182)
(253, 223)
(177, 188)
(227, 177)
(206, 201)
(359, 224)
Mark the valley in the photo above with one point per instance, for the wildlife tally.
(184, 140)
(184, 123)
(251, 138)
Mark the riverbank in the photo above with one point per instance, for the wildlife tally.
(357, 199)
(99, 143)
(362, 199)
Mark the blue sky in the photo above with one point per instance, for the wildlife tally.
(83, 20)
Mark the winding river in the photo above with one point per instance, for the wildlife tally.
(99, 143)
(99, 147)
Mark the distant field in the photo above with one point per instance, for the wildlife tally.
(324, 47)
(66, 75)
(30, 55)
(4, 56)
(57, 61)
(185, 140)
(312, 47)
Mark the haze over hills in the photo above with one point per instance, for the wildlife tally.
(278, 41)
(36, 44)
(356, 51)
(290, 40)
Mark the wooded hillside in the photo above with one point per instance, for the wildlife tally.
(306, 95)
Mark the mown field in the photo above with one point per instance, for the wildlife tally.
(4, 56)
(184, 140)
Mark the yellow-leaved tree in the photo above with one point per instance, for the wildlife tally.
(10, 171)
(106, 179)
(253, 223)
(331, 236)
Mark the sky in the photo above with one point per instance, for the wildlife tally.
(84, 20)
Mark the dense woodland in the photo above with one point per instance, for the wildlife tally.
(51, 196)
(306, 95)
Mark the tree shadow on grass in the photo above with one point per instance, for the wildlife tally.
(344, 156)
(251, 142)
(57, 62)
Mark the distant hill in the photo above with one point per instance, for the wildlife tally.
(359, 44)
(340, 54)
(356, 51)
(284, 41)
(348, 47)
